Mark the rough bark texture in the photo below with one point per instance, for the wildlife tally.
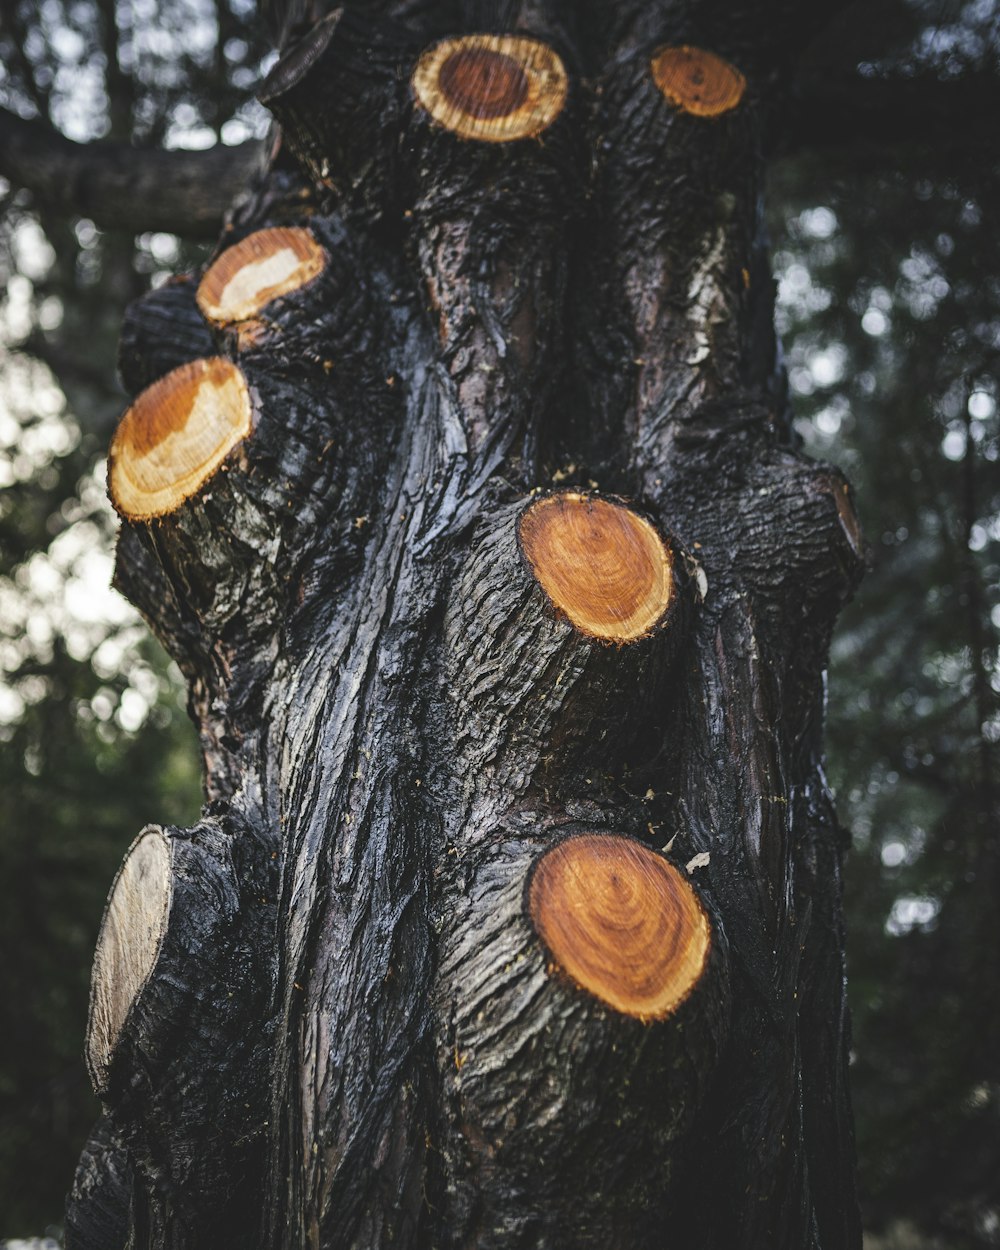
(353, 1034)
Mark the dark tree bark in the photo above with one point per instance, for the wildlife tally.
(463, 489)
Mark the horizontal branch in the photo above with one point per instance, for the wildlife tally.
(120, 186)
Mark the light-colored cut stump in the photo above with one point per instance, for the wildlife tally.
(255, 271)
(621, 921)
(697, 81)
(602, 566)
(175, 436)
(494, 88)
(131, 933)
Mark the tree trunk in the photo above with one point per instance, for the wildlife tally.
(462, 486)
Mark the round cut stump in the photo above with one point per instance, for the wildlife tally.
(621, 921)
(602, 565)
(248, 276)
(696, 81)
(175, 436)
(494, 88)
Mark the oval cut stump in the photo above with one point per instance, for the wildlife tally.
(175, 436)
(265, 265)
(588, 604)
(602, 565)
(621, 921)
(494, 88)
(696, 81)
(128, 945)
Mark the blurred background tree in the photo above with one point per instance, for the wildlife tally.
(883, 208)
(94, 741)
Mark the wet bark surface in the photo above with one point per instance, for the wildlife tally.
(353, 1035)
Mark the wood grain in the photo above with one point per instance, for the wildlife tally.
(175, 436)
(697, 81)
(621, 921)
(265, 265)
(494, 88)
(603, 566)
(129, 941)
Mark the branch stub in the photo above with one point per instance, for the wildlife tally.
(494, 88)
(621, 922)
(602, 565)
(260, 268)
(696, 81)
(135, 920)
(175, 436)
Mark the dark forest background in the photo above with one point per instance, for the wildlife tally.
(886, 236)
